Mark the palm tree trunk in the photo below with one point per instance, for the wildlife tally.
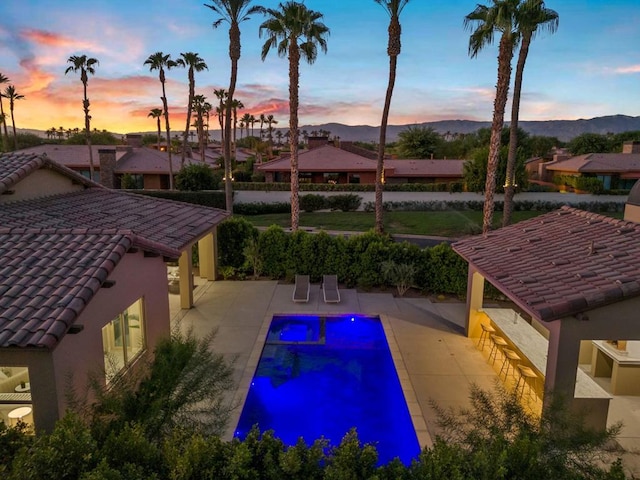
(5, 140)
(166, 126)
(379, 225)
(510, 183)
(13, 122)
(294, 75)
(192, 88)
(87, 126)
(234, 54)
(502, 91)
(159, 134)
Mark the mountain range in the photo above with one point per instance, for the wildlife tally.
(564, 130)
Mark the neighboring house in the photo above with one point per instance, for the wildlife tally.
(615, 170)
(83, 281)
(575, 277)
(147, 168)
(329, 164)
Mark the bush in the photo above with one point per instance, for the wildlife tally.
(312, 202)
(234, 234)
(207, 198)
(346, 203)
(261, 208)
(195, 177)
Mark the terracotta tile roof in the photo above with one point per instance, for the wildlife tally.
(16, 166)
(72, 156)
(325, 158)
(149, 161)
(425, 168)
(158, 225)
(560, 263)
(598, 163)
(47, 277)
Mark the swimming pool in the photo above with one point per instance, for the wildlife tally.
(321, 376)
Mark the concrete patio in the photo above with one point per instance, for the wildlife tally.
(435, 361)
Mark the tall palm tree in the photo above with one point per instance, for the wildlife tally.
(156, 113)
(221, 94)
(294, 31)
(13, 96)
(235, 106)
(394, 9)
(5, 140)
(84, 65)
(194, 63)
(252, 121)
(500, 17)
(159, 61)
(233, 12)
(199, 107)
(246, 119)
(270, 121)
(263, 119)
(531, 15)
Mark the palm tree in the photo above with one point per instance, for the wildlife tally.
(221, 94)
(252, 121)
(5, 140)
(531, 15)
(270, 121)
(235, 106)
(156, 113)
(246, 119)
(233, 12)
(294, 31)
(194, 63)
(263, 119)
(500, 17)
(85, 66)
(159, 61)
(199, 107)
(394, 9)
(13, 96)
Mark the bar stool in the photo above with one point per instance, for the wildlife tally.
(525, 373)
(496, 342)
(510, 361)
(486, 331)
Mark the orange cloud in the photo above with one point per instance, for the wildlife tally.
(49, 39)
(629, 69)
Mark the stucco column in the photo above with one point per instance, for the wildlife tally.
(185, 265)
(562, 358)
(205, 255)
(475, 297)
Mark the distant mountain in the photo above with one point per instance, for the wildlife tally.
(564, 130)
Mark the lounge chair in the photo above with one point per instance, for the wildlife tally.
(330, 289)
(301, 290)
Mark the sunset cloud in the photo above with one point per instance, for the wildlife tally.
(628, 69)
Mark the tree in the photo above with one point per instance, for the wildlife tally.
(235, 106)
(194, 63)
(5, 140)
(531, 15)
(589, 143)
(201, 106)
(394, 9)
(221, 94)
(418, 142)
(263, 119)
(294, 31)
(85, 66)
(13, 96)
(270, 121)
(246, 120)
(156, 113)
(159, 61)
(195, 177)
(500, 17)
(233, 12)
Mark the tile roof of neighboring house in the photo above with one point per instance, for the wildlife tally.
(72, 156)
(158, 225)
(148, 161)
(325, 158)
(48, 277)
(328, 158)
(560, 263)
(598, 163)
(425, 168)
(18, 165)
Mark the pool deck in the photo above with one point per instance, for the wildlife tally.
(435, 361)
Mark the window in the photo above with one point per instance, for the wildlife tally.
(15, 395)
(123, 339)
(86, 173)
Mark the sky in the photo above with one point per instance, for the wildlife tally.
(590, 67)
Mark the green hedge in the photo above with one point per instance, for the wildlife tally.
(208, 198)
(355, 260)
(350, 187)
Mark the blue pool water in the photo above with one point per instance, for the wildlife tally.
(321, 376)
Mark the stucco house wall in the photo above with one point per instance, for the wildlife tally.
(39, 181)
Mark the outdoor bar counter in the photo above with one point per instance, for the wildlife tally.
(533, 346)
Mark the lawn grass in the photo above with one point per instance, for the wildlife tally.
(442, 224)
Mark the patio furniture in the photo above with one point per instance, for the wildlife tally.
(527, 377)
(510, 362)
(330, 289)
(486, 331)
(497, 342)
(301, 289)
(18, 413)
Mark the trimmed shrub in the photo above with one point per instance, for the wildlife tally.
(346, 203)
(312, 202)
(234, 235)
(273, 244)
(261, 208)
(208, 198)
(195, 177)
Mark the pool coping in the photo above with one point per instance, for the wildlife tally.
(410, 397)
